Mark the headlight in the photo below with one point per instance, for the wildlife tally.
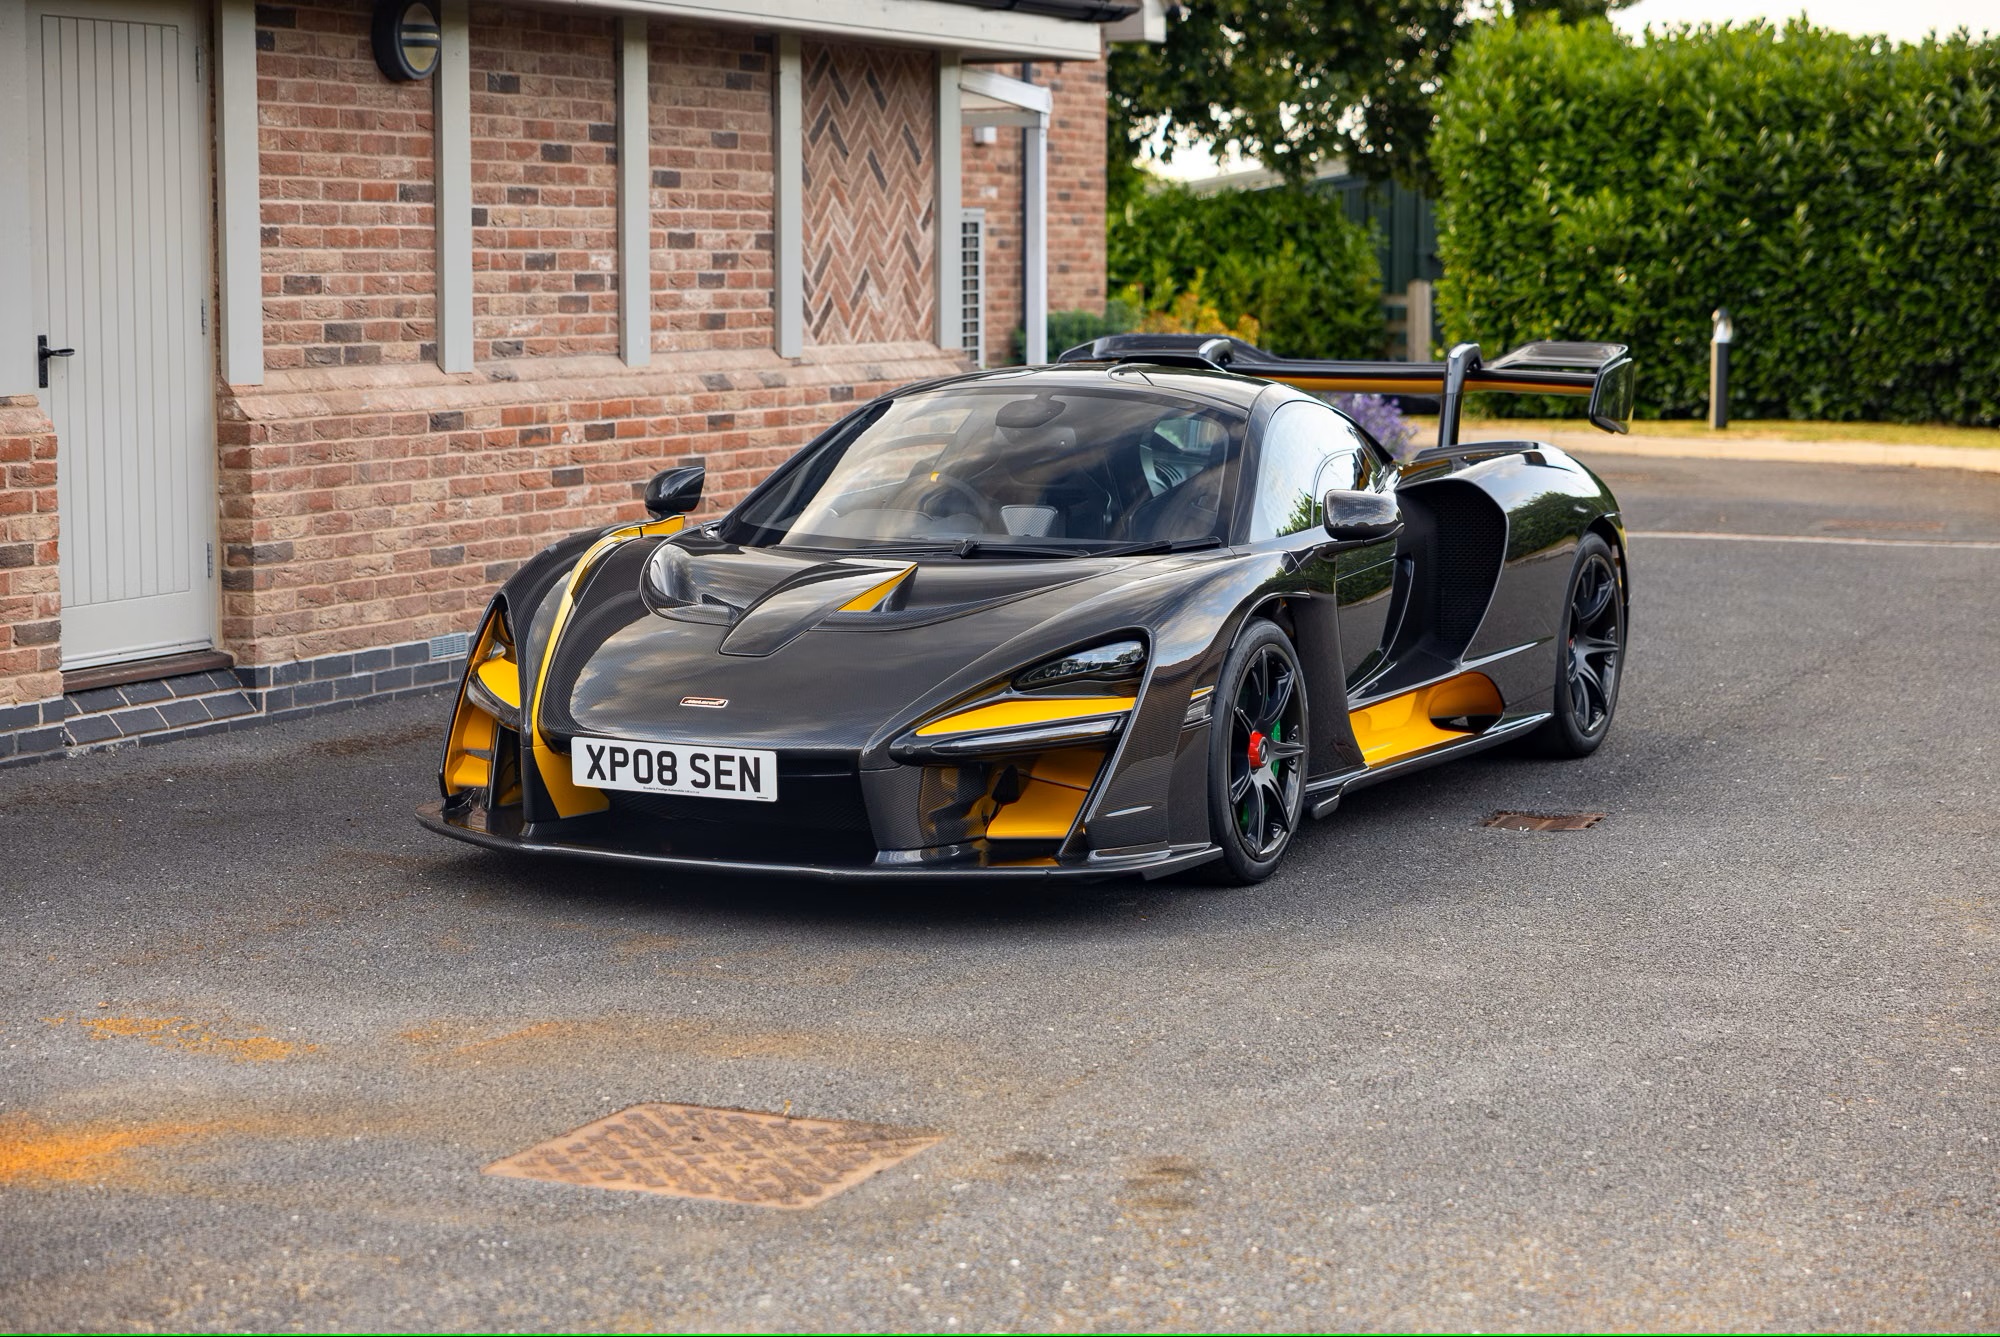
(1120, 661)
(670, 578)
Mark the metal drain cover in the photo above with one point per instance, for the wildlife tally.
(1543, 821)
(690, 1151)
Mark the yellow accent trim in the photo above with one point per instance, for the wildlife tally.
(502, 677)
(1415, 385)
(1403, 724)
(871, 599)
(1362, 385)
(1026, 710)
(1058, 782)
(1076, 767)
(473, 733)
(468, 758)
(1044, 811)
(570, 798)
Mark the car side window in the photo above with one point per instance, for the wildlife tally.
(1307, 451)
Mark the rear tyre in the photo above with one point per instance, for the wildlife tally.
(1591, 657)
(1257, 754)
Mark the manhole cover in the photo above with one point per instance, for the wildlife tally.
(1543, 821)
(689, 1151)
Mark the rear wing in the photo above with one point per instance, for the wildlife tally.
(1602, 372)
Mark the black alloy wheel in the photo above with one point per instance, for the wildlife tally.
(1257, 753)
(1592, 654)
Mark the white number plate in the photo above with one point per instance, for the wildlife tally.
(675, 768)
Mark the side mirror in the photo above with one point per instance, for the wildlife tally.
(675, 491)
(1612, 397)
(1362, 517)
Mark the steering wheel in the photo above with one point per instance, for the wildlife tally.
(981, 507)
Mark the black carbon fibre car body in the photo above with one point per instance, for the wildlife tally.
(1199, 627)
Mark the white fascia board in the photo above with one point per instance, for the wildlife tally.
(1147, 24)
(1000, 88)
(981, 34)
(451, 120)
(635, 195)
(788, 199)
(239, 216)
(1025, 120)
(950, 192)
(18, 364)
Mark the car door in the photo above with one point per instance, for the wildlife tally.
(1307, 451)
(1365, 576)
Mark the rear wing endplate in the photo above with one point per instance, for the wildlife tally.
(1604, 373)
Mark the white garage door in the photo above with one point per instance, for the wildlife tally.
(121, 244)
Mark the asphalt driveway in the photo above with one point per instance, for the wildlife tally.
(1726, 1059)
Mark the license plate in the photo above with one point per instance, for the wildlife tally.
(675, 768)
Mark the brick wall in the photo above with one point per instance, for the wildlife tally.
(363, 515)
(710, 119)
(349, 253)
(1076, 185)
(544, 183)
(870, 185)
(30, 587)
(991, 180)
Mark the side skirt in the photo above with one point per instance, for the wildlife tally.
(1323, 796)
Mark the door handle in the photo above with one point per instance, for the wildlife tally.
(42, 355)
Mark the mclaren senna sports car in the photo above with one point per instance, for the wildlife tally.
(1140, 610)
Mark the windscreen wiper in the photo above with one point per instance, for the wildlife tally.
(1160, 545)
(978, 547)
(1003, 548)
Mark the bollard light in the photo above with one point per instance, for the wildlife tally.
(1718, 369)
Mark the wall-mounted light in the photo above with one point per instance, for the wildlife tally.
(406, 39)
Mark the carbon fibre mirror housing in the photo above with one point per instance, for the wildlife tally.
(1362, 517)
(675, 491)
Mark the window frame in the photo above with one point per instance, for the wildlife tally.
(1367, 451)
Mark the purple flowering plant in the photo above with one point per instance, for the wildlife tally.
(1381, 417)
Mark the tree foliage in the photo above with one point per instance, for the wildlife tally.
(1292, 83)
(1840, 196)
(1288, 258)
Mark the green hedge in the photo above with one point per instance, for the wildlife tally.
(1288, 257)
(1842, 199)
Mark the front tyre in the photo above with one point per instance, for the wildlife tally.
(1591, 657)
(1257, 754)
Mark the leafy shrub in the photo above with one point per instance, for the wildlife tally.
(1841, 197)
(1286, 258)
(1187, 311)
(1079, 327)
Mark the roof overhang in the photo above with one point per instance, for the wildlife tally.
(1032, 30)
(989, 98)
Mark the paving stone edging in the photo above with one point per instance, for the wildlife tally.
(196, 704)
(1777, 450)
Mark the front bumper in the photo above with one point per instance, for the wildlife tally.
(469, 822)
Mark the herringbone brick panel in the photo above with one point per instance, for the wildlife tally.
(870, 193)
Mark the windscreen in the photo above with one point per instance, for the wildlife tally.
(1070, 468)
